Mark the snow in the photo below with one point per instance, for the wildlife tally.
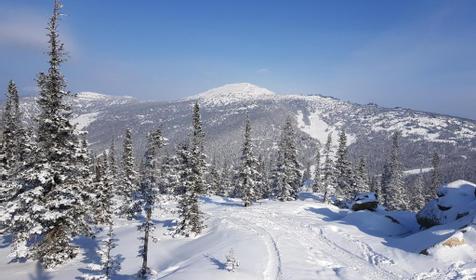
(84, 120)
(232, 93)
(303, 239)
(417, 171)
(91, 96)
(319, 129)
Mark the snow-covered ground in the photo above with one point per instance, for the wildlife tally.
(303, 239)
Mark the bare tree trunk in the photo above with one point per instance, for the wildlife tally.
(145, 269)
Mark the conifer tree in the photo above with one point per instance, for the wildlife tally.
(435, 178)
(395, 193)
(287, 174)
(128, 187)
(418, 193)
(374, 186)
(329, 179)
(168, 180)
(9, 149)
(262, 189)
(192, 166)
(384, 182)
(15, 145)
(190, 216)
(225, 188)
(149, 190)
(247, 181)
(306, 176)
(213, 179)
(344, 176)
(49, 210)
(316, 185)
(196, 148)
(103, 191)
(361, 178)
(112, 160)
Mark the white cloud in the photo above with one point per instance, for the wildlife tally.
(25, 28)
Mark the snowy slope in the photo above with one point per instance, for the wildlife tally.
(304, 239)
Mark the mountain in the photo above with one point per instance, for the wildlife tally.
(224, 110)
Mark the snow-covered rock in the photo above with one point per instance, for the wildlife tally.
(455, 200)
(364, 201)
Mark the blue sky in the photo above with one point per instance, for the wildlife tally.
(417, 54)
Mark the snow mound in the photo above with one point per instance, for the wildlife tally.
(455, 200)
(232, 93)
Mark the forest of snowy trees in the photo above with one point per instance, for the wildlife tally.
(53, 189)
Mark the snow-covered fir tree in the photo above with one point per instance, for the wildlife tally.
(128, 185)
(418, 193)
(112, 161)
(395, 193)
(11, 123)
(196, 148)
(247, 179)
(436, 181)
(104, 216)
(169, 177)
(226, 186)
(213, 178)
(231, 263)
(49, 210)
(345, 183)
(374, 186)
(306, 175)
(190, 217)
(191, 169)
(328, 180)
(262, 189)
(149, 190)
(15, 145)
(384, 182)
(103, 190)
(287, 174)
(361, 177)
(317, 184)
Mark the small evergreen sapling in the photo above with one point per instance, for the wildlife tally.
(231, 263)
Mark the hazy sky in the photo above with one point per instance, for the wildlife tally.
(417, 54)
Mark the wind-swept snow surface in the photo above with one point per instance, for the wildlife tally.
(303, 239)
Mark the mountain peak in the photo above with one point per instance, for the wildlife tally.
(230, 93)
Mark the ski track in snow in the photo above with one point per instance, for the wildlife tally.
(326, 256)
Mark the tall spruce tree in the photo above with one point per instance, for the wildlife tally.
(262, 180)
(247, 180)
(435, 182)
(9, 148)
(361, 177)
(149, 190)
(192, 169)
(15, 145)
(128, 187)
(395, 193)
(169, 179)
(190, 216)
(213, 178)
(287, 174)
(344, 176)
(196, 148)
(317, 184)
(328, 171)
(418, 193)
(49, 206)
(384, 182)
